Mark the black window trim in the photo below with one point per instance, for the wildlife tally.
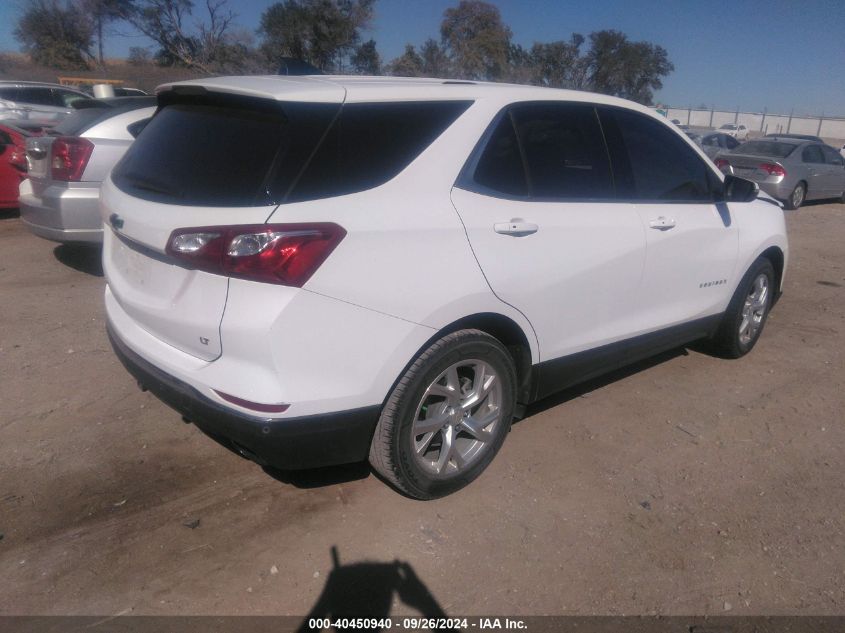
(466, 180)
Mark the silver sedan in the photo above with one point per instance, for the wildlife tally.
(791, 170)
(59, 200)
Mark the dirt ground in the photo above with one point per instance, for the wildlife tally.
(687, 485)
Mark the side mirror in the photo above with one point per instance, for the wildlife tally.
(739, 189)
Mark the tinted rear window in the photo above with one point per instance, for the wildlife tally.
(269, 153)
(766, 148)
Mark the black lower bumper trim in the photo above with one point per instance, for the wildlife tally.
(290, 443)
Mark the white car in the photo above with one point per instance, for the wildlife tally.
(739, 132)
(320, 270)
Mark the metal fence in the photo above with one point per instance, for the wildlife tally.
(761, 122)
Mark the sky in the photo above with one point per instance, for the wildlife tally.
(781, 55)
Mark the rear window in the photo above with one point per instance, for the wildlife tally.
(267, 153)
(78, 121)
(766, 148)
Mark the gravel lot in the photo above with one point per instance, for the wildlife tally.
(685, 485)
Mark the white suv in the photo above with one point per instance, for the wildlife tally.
(321, 270)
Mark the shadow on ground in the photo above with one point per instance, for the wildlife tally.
(368, 590)
(8, 214)
(82, 257)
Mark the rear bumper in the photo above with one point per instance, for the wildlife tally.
(62, 214)
(289, 443)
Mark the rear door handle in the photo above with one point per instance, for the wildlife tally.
(662, 223)
(516, 227)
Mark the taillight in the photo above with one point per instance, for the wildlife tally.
(286, 254)
(721, 163)
(773, 169)
(68, 157)
(18, 159)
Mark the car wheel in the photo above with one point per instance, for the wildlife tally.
(447, 416)
(796, 198)
(747, 312)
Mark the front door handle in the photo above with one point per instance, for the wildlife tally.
(516, 227)
(662, 223)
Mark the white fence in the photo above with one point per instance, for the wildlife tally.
(762, 122)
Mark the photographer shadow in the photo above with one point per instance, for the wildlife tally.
(368, 590)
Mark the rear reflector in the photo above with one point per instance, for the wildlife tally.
(285, 254)
(68, 157)
(255, 406)
(721, 163)
(773, 169)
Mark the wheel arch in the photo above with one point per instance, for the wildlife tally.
(504, 329)
(778, 260)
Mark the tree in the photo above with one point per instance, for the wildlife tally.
(203, 46)
(626, 69)
(435, 60)
(320, 32)
(365, 60)
(559, 64)
(409, 64)
(139, 56)
(477, 39)
(101, 12)
(56, 34)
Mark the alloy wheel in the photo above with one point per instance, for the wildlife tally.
(456, 420)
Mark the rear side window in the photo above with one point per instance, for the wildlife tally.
(216, 155)
(36, 96)
(370, 143)
(547, 151)
(651, 162)
(564, 151)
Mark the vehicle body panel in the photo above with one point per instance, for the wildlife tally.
(12, 164)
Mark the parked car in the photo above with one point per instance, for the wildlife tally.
(12, 163)
(739, 132)
(59, 199)
(714, 143)
(321, 271)
(695, 137)
(40, 102)
(789, 169)
(842, 151)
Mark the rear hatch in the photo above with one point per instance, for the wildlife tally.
(206, 159)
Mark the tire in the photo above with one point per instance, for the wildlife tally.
(796, 198)
(432, 437)
(747, 312)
